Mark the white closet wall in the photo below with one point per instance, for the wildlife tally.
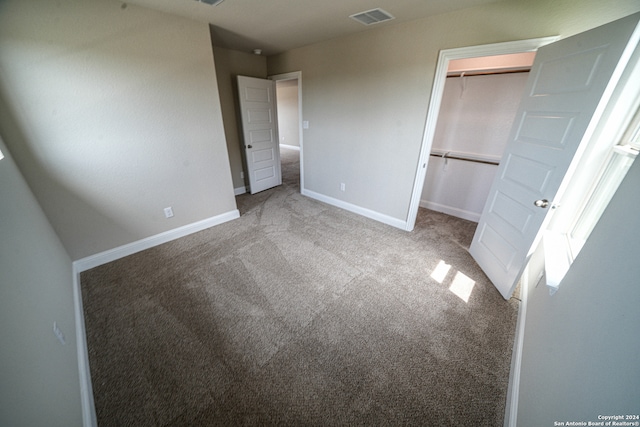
(475, 118)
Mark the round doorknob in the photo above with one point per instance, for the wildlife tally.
(541, 203)
(249, 146)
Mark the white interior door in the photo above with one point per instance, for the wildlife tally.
(260, 132)
(569, 85)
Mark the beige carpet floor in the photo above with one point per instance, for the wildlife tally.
(299, 313)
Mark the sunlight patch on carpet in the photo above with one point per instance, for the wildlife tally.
(462, 286)
(440, 272)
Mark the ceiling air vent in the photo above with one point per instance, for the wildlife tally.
(372, 16)
(211, 2)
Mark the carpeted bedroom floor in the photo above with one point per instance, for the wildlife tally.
(300, 313)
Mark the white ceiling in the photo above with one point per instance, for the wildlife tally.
(276, 26)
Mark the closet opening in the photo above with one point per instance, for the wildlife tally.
(479, 103)
(445, 57)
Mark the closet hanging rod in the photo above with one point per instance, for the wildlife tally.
(486, 73)
(448, 155)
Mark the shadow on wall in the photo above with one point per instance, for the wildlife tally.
(48, 189)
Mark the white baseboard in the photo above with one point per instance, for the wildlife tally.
(110, 255)
(450, 210)
(89, 418)
(394, 222)
(513, 390)
(290, 147)
(240, 190)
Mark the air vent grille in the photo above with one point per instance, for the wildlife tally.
(373, 16)
(211, 2)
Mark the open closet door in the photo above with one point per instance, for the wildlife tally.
(569, 85)
(260, 132)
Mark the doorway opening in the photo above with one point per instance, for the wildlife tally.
(479, 104)
(289, 108)
(442, 68)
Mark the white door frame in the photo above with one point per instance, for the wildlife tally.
(295, 75)
(437, 90)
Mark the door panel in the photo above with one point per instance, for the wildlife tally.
(260, 132)
(569, 85)
(546, 128)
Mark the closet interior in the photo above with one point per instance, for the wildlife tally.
(479, 104)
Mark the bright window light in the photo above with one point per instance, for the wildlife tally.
(440, 272)
(462, 286)
(614, 171)
(562, 245)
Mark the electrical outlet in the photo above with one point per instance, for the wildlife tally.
(343, 187)
(241, 174)
(168, 212)
(305, 124)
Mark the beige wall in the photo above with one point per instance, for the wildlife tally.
(229, 65)
(113, 114)
(39, 381)
(366, 96)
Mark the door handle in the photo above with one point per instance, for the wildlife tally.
(249, 146)
(541, 203)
